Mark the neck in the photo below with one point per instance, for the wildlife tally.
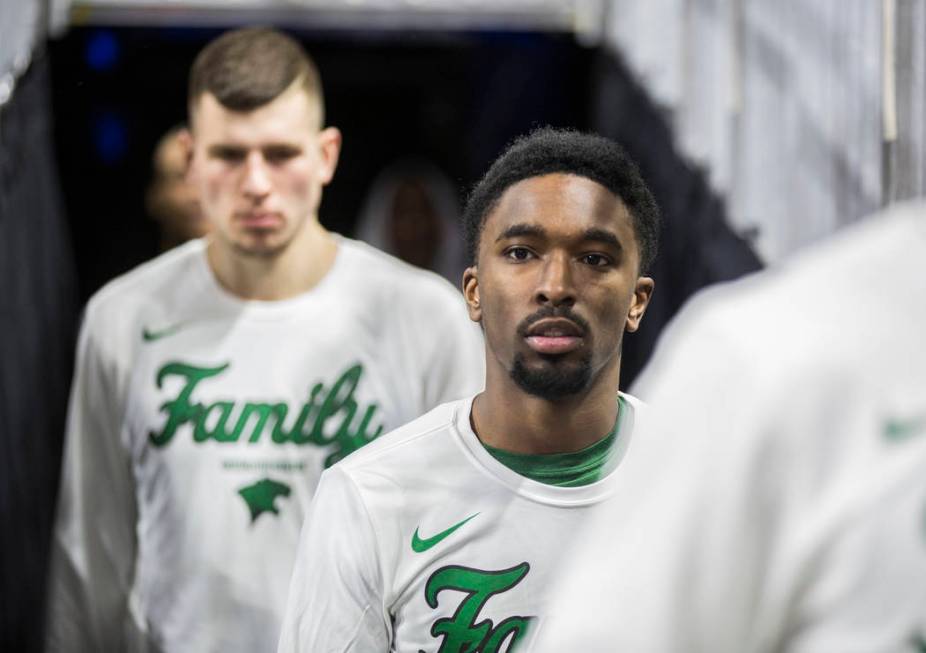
(507, 418)
(296, 269)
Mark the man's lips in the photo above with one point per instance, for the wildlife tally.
(554, 344)
(554, 336)
(260, 220)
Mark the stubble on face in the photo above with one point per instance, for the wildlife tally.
(259, 251)
(563, 247)
(557, 377)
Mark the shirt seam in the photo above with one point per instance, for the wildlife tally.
(380, 567)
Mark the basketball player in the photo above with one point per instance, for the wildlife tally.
(215, 383)
(458, 518)
(780, 505)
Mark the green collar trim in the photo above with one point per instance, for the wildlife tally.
(569, 469)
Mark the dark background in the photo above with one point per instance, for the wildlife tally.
(455, 99)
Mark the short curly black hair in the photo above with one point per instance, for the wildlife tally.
(547, 150)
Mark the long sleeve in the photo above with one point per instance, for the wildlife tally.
(336, 594)
(94, 541)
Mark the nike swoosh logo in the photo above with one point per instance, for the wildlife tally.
(149, 335)
(421, 545)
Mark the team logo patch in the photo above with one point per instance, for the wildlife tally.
(261, 496)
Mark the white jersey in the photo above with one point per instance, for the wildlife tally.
(200, 424)
(425, 542)
(781, 503)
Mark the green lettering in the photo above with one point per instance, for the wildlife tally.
(312, 424)
(462, 633)
(202, 432)
(179, 410)
(341, 394)
(349, 443)
(296, 434)
(515, 627)
(263, 413)
(278, 411)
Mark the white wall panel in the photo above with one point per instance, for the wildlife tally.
(782, 102)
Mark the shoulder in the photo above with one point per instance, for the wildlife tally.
(409, 467)
(817, 304)
(394, 278)
(639, 410)
(145, 283)
(791, 363)
(637, 403)
(417, 443)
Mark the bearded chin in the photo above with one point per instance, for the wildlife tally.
(555, 379)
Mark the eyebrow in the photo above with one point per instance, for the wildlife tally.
(602, 236)
(522, 229)
(594, 234)
(233, 147)
(221, 148)
(282, 146)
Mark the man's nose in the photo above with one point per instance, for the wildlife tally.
(256, 181)
(556, 284)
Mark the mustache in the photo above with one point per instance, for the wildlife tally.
(545, 312)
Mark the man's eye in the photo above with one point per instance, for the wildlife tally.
(228, 155)
(518, 254)
(280, 155)
(596, 260)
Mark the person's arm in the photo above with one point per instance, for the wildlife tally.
(94, 542)
(336, 594)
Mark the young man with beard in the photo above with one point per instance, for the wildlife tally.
(215, 383)
(443, 535)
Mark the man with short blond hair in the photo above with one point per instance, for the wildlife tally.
(215, 383)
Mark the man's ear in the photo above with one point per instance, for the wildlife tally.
(185, 140)
(329, 142)
(641, 296)
(471, 293)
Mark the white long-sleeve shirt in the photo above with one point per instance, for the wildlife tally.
(424, 541)
(199, 426)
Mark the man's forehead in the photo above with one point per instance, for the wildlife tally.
(290, 115)
(559, 201)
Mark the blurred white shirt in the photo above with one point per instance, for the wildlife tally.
(780, 505)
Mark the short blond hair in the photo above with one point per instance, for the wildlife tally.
(247, 68)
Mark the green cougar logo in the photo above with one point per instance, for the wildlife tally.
(253, 419)
(261, 496)
(461, 633)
